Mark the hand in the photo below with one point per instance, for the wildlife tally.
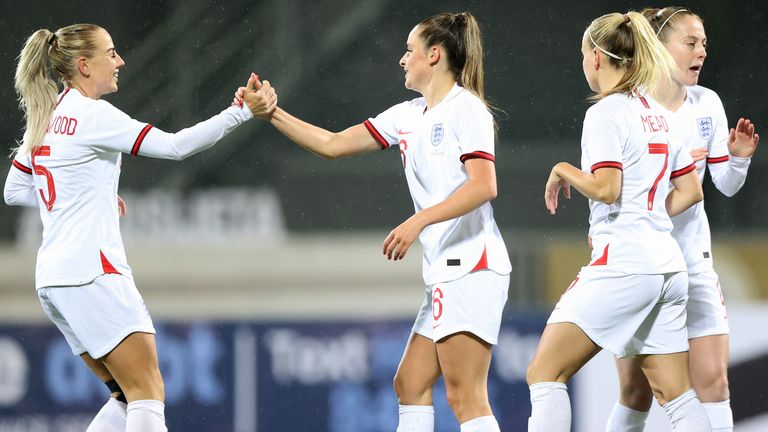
(699, 154)
(260, 97)
(552, 190)
(400, 239)
(742, 141)
(122, 208)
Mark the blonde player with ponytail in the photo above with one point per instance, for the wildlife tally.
(726, 155)
(630, 299)
(446, 141)
(68, 165)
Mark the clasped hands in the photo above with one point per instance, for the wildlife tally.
(260, 97)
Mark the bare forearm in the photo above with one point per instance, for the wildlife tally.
(468, 197)
(603, 188)
(315, 139)
(678, 202)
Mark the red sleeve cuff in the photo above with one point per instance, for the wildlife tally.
(607, 164)
(477, 155)
(140, 140)
(21, 167)
(715, 160)
(682, 171)
(375, 134)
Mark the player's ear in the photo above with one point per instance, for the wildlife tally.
(434, 54)
(82, 67)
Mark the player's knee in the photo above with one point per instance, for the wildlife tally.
(538, 372)
(714, 388)
(638, 396)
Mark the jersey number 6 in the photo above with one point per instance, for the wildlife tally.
(654, 148)
(43, 171)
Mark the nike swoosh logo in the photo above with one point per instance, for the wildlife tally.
(436, 326)
(400, 132)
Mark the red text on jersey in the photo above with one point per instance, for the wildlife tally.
(654, 123)
(63, 125)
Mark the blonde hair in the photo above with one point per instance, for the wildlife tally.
(664, 21)
(459, 34)
(45, 59)
(632, 45)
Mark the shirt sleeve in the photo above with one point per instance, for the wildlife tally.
(681, 161)
(383, 127)
(119, 132)
(476, 134)
(19, 186)
(728, 172)
(601, 142)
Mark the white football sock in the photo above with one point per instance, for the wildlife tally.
(146, 416)
(550, 408)
(625, 419)
(481, 424)
(687, 414)
(720, 415)
(111, 417)
(416, 418)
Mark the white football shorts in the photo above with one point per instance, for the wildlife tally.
(97, 316)
(473, 303)
(706, 306)
(627, 314)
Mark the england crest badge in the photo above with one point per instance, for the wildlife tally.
(437, 134)
(705, 127)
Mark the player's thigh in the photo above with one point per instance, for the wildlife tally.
(635, 392)
(97, 367)
(465, 360)
(709, 367)
(134, 365)
(418, 369)
(563, 349)
(667, 374)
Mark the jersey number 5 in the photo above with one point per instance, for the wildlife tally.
(43, 171)
(654, 148)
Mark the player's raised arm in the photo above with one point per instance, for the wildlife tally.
(324, 143)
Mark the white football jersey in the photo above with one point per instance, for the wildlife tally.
(434, 146)
(74, 176)
(633, 235)
(703, 124)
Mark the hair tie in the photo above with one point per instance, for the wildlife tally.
(623, 60)
(626, 19)
(669, 18)
(52, 39)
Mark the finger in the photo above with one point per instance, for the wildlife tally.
(252, 82)
(740, 124)
(756, 139)
(732, 135)
(567, 192)
(391, 249)
(403, 251)
(265, 87)
(386, 243)
(751, 130)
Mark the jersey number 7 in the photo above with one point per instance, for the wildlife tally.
(654, 148)
(43, 171)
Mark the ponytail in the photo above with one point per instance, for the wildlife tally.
(631, 44)
(459, 34)
(36, 88)
(46, 58)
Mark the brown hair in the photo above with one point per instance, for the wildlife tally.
(46, 58)
(664, 21)
(629, 37)
(459, 34)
